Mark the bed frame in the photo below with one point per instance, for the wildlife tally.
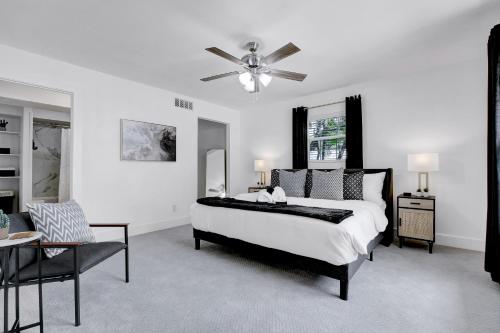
(343, 273)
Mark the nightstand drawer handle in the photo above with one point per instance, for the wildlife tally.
(415, 203)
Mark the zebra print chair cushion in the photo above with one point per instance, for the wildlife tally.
(60, 222)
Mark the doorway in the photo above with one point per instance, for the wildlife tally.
(50, 159)
(213, 166)
(35, 145)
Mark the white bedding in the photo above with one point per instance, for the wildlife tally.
(337, 244)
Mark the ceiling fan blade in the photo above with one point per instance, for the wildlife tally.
(281, 53)
(225, 55)
(219, 76)
(287, 75)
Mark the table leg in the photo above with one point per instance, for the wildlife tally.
(5, 270)
(40, 298)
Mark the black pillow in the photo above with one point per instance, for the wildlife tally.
(353, 185)
(309, 183)
(275, 178)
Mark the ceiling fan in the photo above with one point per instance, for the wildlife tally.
(255, 67)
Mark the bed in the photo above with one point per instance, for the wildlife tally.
(333, 250)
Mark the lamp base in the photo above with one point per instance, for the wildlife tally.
(262, 180)
(423, 190)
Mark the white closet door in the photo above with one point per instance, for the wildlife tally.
(216, 173)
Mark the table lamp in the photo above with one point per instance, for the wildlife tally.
(260, 166)
(423, 164)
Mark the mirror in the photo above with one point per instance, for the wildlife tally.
(216, 173)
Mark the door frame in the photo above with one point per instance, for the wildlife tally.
(25, 163)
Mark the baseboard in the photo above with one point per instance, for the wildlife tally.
(462, 242)
(108, 234)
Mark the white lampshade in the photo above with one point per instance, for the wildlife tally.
(245, 78)
(423, 162)
(259, 165)
(265, 79)
(250, 87)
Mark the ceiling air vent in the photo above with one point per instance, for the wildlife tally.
(180, 103)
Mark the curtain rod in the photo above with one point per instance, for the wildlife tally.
(322, 105)
(51, 123)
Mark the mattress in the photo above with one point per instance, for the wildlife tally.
(337, 244)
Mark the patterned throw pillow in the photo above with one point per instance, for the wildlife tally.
(275, 178)
(60, 222)
(328, 184)
(353, 185)
(309, 183)
(293, 182)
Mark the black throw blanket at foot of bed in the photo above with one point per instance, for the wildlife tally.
(325, 214)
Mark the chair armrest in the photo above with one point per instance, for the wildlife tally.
(55, 245)
(109, 225)
(113, 225)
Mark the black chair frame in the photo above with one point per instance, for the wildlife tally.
(75, 276)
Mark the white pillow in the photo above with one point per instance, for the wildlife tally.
(373, 184)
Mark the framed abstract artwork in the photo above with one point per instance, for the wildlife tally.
(141, 141)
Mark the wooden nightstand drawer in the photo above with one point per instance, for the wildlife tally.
(416, 203)
(253, 189)
(415, 223)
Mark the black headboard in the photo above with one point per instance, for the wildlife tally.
(387, 195)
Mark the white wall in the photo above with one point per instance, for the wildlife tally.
(142, 193)
(443, 110)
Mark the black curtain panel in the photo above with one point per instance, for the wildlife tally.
(354, 132)
(492, 255)
(299, 139)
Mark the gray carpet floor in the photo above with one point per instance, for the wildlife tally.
(174, 288)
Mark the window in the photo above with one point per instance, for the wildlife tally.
(327, 139)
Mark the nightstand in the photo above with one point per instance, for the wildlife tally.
(257, 188)
(417, 219)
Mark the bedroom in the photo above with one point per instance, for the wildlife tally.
(421, 70)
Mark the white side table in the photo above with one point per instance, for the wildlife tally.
(7, 246)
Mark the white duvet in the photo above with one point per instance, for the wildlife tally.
(337, 244)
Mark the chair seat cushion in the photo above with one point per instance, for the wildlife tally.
(89, 255)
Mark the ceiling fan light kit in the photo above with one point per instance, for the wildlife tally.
(265, 79)
(255, 67)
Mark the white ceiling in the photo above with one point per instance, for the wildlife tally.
(161, 43)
